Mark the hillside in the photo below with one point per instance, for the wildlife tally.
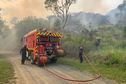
(118, 15)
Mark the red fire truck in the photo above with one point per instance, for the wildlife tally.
(43, 46)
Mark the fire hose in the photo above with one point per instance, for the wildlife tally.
(74, 80)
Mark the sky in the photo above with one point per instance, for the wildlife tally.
(24, 8)
(96, 6)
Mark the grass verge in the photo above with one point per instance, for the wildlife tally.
(6, 71)
(115, 73)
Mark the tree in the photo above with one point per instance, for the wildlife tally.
(121, 8)
(60, 9)
(3, 28)
(28, 24)
(124, 31)
(1, 25)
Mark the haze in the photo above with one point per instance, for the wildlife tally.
(24, 8)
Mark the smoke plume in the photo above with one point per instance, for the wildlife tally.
(23, 8)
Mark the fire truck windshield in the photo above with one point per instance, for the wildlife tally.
(54, 39)
(49, 39)
(43, 39)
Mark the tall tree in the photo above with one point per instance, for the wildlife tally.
(121, 9)
(28, 24)
(60, 9)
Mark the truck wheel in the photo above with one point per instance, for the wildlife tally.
(32, 59)
(38, 62)
(54, 60)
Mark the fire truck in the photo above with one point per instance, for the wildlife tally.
(43, 46)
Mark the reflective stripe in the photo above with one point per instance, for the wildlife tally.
(55, 34)
(47, 34)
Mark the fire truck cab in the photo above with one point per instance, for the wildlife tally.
(44, 46)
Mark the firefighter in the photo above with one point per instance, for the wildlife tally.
(81, 50)
(97, 43)
(23, 52)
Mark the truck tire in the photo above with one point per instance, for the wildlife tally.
(38, 62)
(54, 60)
(32, 59)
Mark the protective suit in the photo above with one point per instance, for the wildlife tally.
(81, 54)
(23, 53)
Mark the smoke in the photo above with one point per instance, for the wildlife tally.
(95, 6)
(23, 8)
(18, 9)
(9, 42)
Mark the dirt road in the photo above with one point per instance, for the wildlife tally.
(32, 74)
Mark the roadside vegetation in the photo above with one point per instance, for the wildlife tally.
(109, 57)
(6, 71)
(113, 73)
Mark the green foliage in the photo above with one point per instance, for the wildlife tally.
(124, 32)
(49, 3)
(108, 56)
(6, 71)
(60, 9)
(28, 24)
(113, 73)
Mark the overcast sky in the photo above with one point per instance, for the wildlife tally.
(96, 6)
(23, 8)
